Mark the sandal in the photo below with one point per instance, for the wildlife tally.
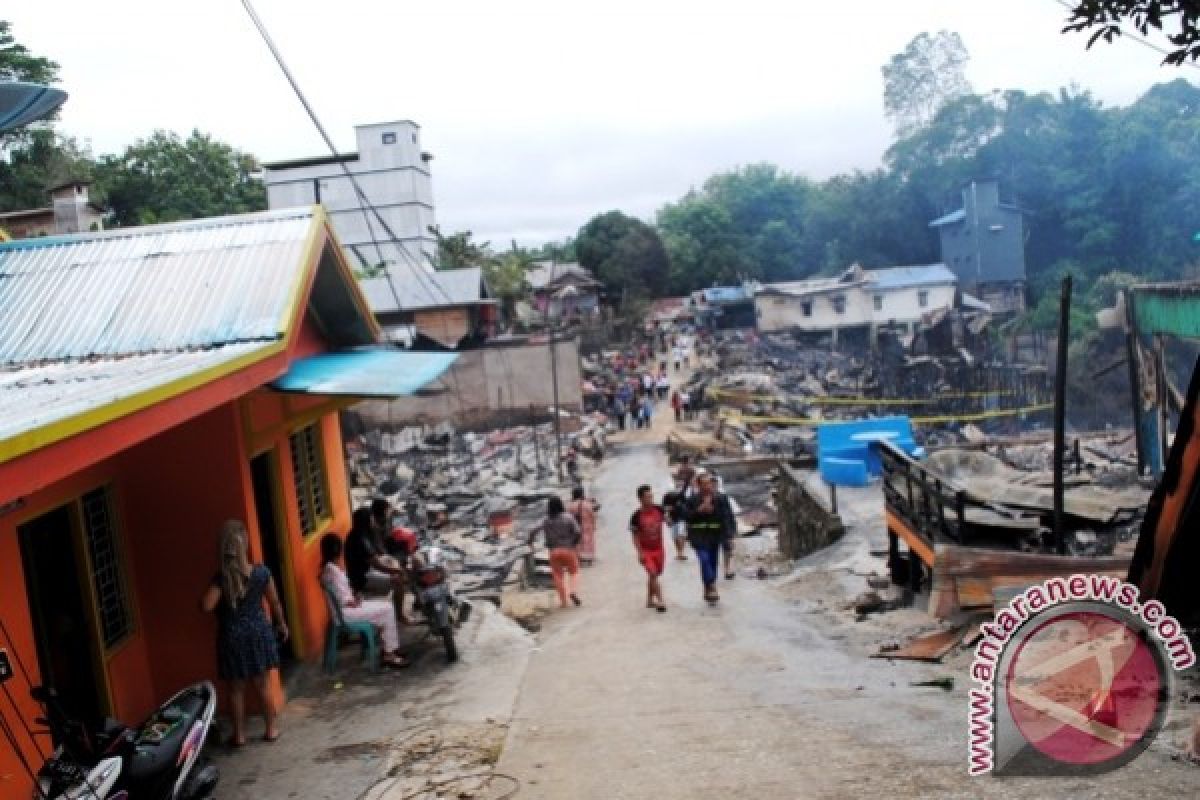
(661, 609)
(575, 599)
(269, 739)
(397, 662)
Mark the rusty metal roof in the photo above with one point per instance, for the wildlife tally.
(160, 288)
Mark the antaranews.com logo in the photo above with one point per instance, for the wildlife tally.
(1073, 678)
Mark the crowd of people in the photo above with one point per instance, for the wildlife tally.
(644, 383)
(692, 511)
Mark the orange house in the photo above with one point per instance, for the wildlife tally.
(155, 382)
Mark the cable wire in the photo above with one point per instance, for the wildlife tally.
(365, 204)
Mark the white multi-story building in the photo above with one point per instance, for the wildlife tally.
(393, 173)
(858, 298)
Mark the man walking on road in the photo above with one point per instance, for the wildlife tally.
(710, 523)
(646, 525)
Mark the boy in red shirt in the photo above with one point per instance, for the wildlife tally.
(646, 525)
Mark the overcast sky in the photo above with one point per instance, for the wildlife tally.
(541, 113)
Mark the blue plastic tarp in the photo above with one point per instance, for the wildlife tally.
(365, 373)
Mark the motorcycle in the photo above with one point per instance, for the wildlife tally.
(435, 599)
(160, 760)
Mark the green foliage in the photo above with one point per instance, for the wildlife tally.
(919, 81)
(41, 160)
(165, 178)
(625, 254)
(459, 250)
(1104, 18)
(18, 64)
(505, 274)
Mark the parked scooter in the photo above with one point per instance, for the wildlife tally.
(435, 598)
(161, 760)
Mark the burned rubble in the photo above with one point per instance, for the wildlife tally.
(480, 494)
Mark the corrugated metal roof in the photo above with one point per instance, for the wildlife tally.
(37, 396)
(159, 288)
(451, 287)
(542, 272)
(724, 295)
(904, 277)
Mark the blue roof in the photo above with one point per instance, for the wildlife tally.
(953, 216)
(376, 372)
(904, 277)
(719, 295)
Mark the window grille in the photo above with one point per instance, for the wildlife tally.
(108, 579)
(308, 473)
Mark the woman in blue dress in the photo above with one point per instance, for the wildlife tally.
(247, 648)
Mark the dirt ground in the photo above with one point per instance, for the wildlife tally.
(770, 695)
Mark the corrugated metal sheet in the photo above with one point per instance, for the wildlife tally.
(905, 277)
(453, 287)
(175, 287)
(37, 396)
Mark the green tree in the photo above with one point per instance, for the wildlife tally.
(41, 160)
(930, 72)
(18, 64)
(459, 250)
(1104, 18)
(505, 276)
(625, 254)
(164, 178)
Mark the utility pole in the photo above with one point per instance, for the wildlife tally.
(554, 374)
(1060, 411)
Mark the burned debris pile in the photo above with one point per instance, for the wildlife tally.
(479, 493)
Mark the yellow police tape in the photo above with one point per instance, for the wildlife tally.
(978, 416)
(869, 401)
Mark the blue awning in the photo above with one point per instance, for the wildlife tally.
(23, 103)
(365, 373)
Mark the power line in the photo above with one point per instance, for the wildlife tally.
(364, 201)
(1142, 40)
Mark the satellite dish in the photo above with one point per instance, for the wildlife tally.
(23, 103)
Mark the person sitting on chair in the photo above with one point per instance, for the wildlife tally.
(378, 612)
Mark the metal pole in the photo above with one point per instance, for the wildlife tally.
(554, 378)
(1060, 411)
(557, 421)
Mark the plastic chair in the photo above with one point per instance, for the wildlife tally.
(339, 625)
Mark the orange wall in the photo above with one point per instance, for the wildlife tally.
(179, 488)
(270, 419)
(171, 494)
(130, 698)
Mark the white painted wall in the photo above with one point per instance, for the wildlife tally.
(394, 178)
(901, 306)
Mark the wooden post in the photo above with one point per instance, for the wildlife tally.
(1060, 411)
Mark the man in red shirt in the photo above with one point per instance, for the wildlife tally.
(646, 525)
